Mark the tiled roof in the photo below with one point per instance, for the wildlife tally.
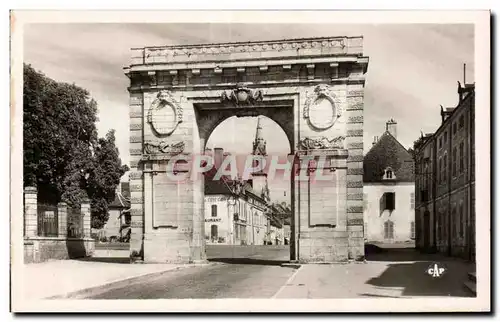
(388, 152)
(216, 187)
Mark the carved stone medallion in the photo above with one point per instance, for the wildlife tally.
(165, 114)
(322, 108)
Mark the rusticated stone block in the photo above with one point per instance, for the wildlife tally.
(353, 209)
(135, 114)
(136, 187)
(136, 127)
(355, 171)
(354, 184)
(136, 212)
(355, 93)
(354, 196)
(355, 145)
(355, 158)
(135, 151)
(355, 133)
(135, 139)
(135, 175)
(355, 119)
(355, 221)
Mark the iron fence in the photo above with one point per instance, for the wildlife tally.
(47, 220)
(75, 223)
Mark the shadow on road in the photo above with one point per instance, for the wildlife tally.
(414, 281)
(396, 253)
(248, 261)
(115, 260)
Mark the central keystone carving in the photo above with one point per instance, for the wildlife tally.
(242, 96)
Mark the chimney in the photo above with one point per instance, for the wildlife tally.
(375, 140)
(224, 156)
(390, 127)
(218, 155)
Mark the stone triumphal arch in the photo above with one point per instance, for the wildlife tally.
(313, 88)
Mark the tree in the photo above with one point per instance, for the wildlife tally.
(61, 145)
(104, 178)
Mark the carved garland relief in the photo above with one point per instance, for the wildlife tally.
(322, 143)
(241, 96)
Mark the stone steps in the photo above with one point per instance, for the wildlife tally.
(470, 285)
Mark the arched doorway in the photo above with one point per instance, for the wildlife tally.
(312, 88)
(260, 213)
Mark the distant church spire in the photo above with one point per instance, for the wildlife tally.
(259, 145)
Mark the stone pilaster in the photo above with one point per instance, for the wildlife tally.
(62, 217)
(136, 177)
(30, 212)
(85, 209)
(354, 140)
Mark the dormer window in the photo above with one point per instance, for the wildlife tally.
(389, 174)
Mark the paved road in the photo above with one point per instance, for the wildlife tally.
(256, 272)
(235, 272)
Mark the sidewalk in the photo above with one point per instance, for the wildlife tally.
(391, 275)
(57, 278)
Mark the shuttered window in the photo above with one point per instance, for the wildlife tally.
(389, 229)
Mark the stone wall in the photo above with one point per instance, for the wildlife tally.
(39, 249)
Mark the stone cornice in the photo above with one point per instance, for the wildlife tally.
(291, 82)
(244, 50)
(217, 66)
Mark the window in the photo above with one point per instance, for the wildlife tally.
(454, 220)
(389, 230)
(461, 220)
(412, 230)
(214, 233)
(454, 169)
(445, 165)
(214, 210)
(461, 154)
(445, 136)
(412, 200)
(390, 201)
(461, 122)
(440, 142)
(439, 165)
(389, 174)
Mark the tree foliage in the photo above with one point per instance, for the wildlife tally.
(63, 155)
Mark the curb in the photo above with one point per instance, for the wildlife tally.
(291, 265)
(86, 289)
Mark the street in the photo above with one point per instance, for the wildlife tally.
(256, 272)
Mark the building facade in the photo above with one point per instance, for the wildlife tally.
(235, 220)
(389, 190)
(236, 212)
(445, 181)
(117, 227)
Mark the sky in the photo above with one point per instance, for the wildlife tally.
(412, 70)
